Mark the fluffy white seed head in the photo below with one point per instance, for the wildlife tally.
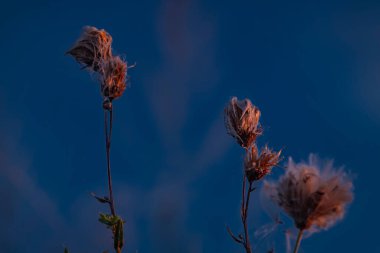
(311, 194)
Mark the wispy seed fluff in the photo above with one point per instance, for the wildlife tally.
(242, 121)
(259, 164)
(313, 196)
(93, 50)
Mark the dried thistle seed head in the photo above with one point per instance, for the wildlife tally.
(92, 48)
(257, 165)
(113, 79)
(242, 121)
(311, 196)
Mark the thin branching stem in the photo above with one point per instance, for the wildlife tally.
(245, 197)
(298, 242)
(108, 134)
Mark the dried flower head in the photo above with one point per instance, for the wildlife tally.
(311, 196)
(113, 80)
(92, 48)
(242, 121)
(257, 165)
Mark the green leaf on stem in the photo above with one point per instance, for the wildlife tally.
(119, 235)
(115, 223)
(108, 219)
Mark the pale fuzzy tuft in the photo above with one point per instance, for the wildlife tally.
(257, 165)
(312, 196)
(242, 121)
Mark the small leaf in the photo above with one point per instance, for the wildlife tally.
(105, 219)
(108, 219)
(103, 200)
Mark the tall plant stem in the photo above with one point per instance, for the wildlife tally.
(245, 206)
(108, 134)
(298, 242)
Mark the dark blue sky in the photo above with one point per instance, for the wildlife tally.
(310, 66)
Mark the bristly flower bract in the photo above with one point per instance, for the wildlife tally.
(259, 164)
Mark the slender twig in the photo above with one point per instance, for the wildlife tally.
(298, 242)
(238, 240)
(108, 134)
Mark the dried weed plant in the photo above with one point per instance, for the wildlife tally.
(242, 123)
(313, 194)
(93, 51)
(314, 197)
